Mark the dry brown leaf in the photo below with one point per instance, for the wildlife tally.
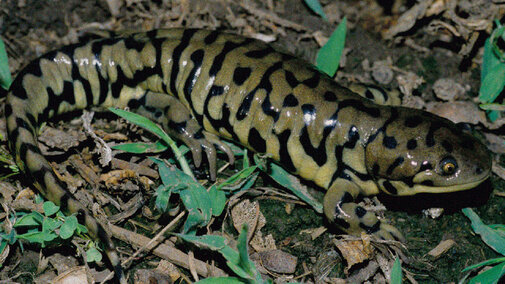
(355, 251)
(441, 248)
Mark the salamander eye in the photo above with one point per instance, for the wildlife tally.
(448, 166)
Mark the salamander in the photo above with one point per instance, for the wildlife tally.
(203, 86)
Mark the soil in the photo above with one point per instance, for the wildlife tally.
(31, 27)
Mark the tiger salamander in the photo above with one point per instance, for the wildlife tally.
(205, 85)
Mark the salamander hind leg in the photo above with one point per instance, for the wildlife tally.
(340, 209)
(178, 122)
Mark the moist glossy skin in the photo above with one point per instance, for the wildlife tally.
(202, 85)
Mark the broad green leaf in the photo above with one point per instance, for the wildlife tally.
(328, 57)
(194, 196)
(490, 276)
(5, 73)
(68, 228)
(38, 237)
(49, 224)
(50, 208)
(220, 280)
(293, 184)
(315, 6)
(396, 272)
(489, 60)
(212, 242)
(93, 255)
(81, 229)
(484, 263)
(215, 243)
(218, 200)
(492, 84)
(492, 238)
(163, 194)
(32, 219)
(244, 261)
(142, 148)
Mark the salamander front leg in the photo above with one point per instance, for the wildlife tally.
(178, 122)
(340, 209)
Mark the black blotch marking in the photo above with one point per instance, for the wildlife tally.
(260, 53)
(352, 137)
(176, 57)
(411, 144)
(427, 183)
(265, 84)
(241, 74)
(313, 81)
(341, 223)
(430, 136)
(390, 188)
(8, 110)
(375, 169)
(290, 101)
(330, 96)
(211, 37)
(136, 103)
(425, 166)
(318, 154)
(371, 229)
(369, 94)
(447, 146)
(360, 211)
(217, 64)
(284, 157)
(397, 162)
(346, 198)
(389, 142)
(291, 79)
(413, 121)
(197, 59)
(358, 104)
(23, 150)
(256, 141)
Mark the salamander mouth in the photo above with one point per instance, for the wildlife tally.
(400, 188)
(422, 188)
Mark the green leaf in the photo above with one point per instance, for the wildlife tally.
(292, 183)
(32, 219)
(218, 199)
(93, 255)
(328, 57)
(81, 229)
(492, 84)
(244, 261)
(5, 73)
(315, 6)
(195, 197)
(484, 263)
(155, 129)
(243, 174)
(212, 242)
(492, 238)
(490, 276)
(49, 224)
(142, 148)
(50, 208)
(38, 237)
(489, 60)
(220, 280)
(68, 228)
(396, 272)
(163, 194)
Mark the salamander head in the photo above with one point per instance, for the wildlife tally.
(420, 152)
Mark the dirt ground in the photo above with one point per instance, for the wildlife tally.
(419, 49)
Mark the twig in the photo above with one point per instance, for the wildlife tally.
(274, 18)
